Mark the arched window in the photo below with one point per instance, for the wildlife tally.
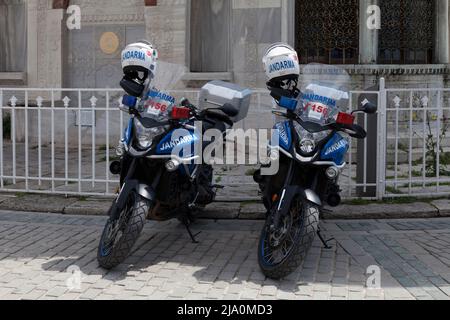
(406, 35)
(13, 39)
(327, 31)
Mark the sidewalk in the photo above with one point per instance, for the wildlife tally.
(49, 256)
(245, 210)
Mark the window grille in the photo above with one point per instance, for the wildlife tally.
(327, 31)
(406, 35)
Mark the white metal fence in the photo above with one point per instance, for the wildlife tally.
(417, 142)
(62, 140)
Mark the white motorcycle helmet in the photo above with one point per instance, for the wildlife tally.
(139, 61)
(282, 69)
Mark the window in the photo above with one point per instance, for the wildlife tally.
(406, 35)
(327, 31)
(209, 35)
(13, 40)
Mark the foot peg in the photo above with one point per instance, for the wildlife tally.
(324, 242)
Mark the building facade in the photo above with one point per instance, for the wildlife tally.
(223, 39)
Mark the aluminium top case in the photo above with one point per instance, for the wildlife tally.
(217, 93)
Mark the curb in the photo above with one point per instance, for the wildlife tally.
(251, 210)
(100, 207)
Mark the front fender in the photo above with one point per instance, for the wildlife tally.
(288, 195)
(128, 187)
(292, 192)
(312, 197)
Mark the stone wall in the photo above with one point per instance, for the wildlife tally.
(45, 45)
(254, 25)
(166, 26)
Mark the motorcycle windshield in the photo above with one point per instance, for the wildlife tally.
(157, 102)
(325, 93)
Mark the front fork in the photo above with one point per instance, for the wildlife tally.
(284, 201)
(288, 194)
(131, 184)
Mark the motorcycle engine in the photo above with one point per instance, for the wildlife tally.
(175, 190)
(172, 192)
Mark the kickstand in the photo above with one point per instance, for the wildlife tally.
(325, 242)
(186, 224)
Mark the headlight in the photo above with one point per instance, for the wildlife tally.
(307, 146)
(308, 140)
(145, 135)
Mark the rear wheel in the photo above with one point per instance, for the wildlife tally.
(120, 235)
(282, 251)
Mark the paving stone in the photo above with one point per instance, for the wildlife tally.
(269, 291)
(249, 294)
(414, 264)
(33, 295)
(90, 294)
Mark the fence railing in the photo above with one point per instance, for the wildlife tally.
(62, 140)
(417, 144)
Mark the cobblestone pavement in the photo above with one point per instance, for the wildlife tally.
(40, 255)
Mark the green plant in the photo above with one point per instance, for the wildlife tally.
(103, 147)
(403, 147)
(111, 158)
(393, 190)
(417, 162)
(434, 146)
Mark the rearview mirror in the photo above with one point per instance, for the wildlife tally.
(368, 107)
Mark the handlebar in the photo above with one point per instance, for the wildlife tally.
(221, 116)
(353, 130)
(184, 102)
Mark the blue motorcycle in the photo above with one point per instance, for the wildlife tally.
(161, 177)
(311, 155)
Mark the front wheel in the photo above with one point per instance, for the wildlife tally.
(120, 235)
(280, 252)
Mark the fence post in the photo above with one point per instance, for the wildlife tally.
(367, 150)
(1, 139)
(382, 139)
